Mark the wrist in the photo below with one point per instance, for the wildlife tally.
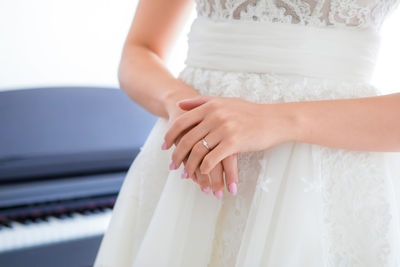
(287, 119)
(292, 120)
(172, 96)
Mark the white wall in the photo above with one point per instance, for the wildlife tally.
(387, 71)
(67, 42)
(72, 42)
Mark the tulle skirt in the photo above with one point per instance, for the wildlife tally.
(298, 204)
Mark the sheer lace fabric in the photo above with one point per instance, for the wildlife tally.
(298, 204)
(350, 190)
(322, 206)
(339, 13)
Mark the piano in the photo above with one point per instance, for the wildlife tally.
(64, 153)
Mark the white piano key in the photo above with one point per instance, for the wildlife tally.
(54, 230)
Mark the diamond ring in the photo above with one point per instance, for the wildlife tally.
(206, 144)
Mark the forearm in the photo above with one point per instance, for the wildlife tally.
(145, 79)
(369, 124)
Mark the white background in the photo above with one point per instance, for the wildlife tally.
(60, 42)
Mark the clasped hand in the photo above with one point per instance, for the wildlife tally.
(229, 125)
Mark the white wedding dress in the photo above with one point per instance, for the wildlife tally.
(298, 204)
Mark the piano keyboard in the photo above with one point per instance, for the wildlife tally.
(47, 230)
(59, 182)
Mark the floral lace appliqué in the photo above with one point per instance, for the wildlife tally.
(322, 13)
(311, 184)
(346, 176)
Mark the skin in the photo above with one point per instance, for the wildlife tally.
(144, 77)
(364, 124)
(368, 124)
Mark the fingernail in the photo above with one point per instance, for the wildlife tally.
(219, 194)
(184, 174)
(233, 188)
(206, 190)
(172, 166)
(164, 146)
(178, 102)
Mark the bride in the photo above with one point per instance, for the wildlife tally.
(288, 155)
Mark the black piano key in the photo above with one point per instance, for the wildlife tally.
(6, 225)
(27, 222)
(86, 212)
(56, 208)
(45, 218)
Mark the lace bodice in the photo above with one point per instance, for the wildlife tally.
(322, 13)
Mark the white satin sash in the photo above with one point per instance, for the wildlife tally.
(253, 46)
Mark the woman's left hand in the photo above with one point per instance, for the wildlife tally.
(229, 125)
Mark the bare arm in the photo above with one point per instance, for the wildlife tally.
(369, 123)
(142, 73)
(145, 79)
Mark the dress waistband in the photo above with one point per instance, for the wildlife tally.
(253, 46)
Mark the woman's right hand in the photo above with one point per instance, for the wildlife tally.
(214, 181)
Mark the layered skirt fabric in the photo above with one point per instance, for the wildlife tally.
(298, 204)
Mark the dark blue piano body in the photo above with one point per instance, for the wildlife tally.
(64, 153)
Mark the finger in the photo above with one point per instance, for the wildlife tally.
(185, 175)
(195, 157)
(229, 165)
(188, 141)
(176, 144)
(183, 122)
(199, 151)
(194, 178)
(217, 154)
(217, 181)
(204, 182)
(190, 103)
(177, 140)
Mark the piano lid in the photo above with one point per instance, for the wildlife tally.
(65, 131)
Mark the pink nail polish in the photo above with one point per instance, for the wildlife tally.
(219, 194)
(164, 146)
(184, 174)
(206, 190)
(172, 166)
(233, 188)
